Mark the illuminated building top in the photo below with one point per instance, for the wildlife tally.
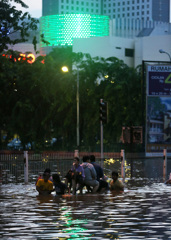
(62, 29)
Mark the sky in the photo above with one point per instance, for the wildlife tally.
(35, 8)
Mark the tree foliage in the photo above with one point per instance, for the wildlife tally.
(13, 21)
(38, 101)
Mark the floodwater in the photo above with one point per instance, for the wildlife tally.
(143, 211)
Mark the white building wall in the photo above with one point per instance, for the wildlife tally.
(145, 48)
(105, 47)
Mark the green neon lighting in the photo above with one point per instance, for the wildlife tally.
(62, 29)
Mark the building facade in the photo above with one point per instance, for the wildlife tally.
(148, 10)
(61, 29)
(131, 51)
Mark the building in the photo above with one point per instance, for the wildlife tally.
(131, 51)
(61, 29)
(148, 10)
(64, 20)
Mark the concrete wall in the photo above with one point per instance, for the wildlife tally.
(146, 48)
(105, 47)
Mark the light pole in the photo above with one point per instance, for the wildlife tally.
(162, 51)
(78, 109)
(65, 69)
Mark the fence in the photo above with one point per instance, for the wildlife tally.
(136, 165)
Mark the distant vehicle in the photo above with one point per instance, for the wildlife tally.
(15, 144)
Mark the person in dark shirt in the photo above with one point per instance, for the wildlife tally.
(103, 185)
(60, 187)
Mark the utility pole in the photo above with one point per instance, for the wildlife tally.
(103, 119)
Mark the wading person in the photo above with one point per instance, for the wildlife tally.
(90, 174)
(116, 184)
(103, 185)
(44, 186)
(60, 187)
(77, 176)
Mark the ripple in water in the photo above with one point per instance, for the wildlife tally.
(138, 213)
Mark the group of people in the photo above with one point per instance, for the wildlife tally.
(89, 174)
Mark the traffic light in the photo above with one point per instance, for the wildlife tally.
(103, 111)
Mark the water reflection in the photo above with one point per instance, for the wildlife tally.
(138, 213)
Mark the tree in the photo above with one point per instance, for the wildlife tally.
(38, 101)
(13, 21)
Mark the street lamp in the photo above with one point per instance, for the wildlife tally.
(162, 51)
(65, 69)
(78, 108)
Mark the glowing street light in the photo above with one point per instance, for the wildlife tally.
(65, 69)
(162, 51)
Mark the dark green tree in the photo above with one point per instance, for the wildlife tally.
(13, 21)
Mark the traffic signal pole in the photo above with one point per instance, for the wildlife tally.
(101, 138)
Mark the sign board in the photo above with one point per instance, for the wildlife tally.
(158, 109)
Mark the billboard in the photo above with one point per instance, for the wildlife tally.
(158, 109)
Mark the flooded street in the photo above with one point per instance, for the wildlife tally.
(138, 213)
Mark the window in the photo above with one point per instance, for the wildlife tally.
(129, 52)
